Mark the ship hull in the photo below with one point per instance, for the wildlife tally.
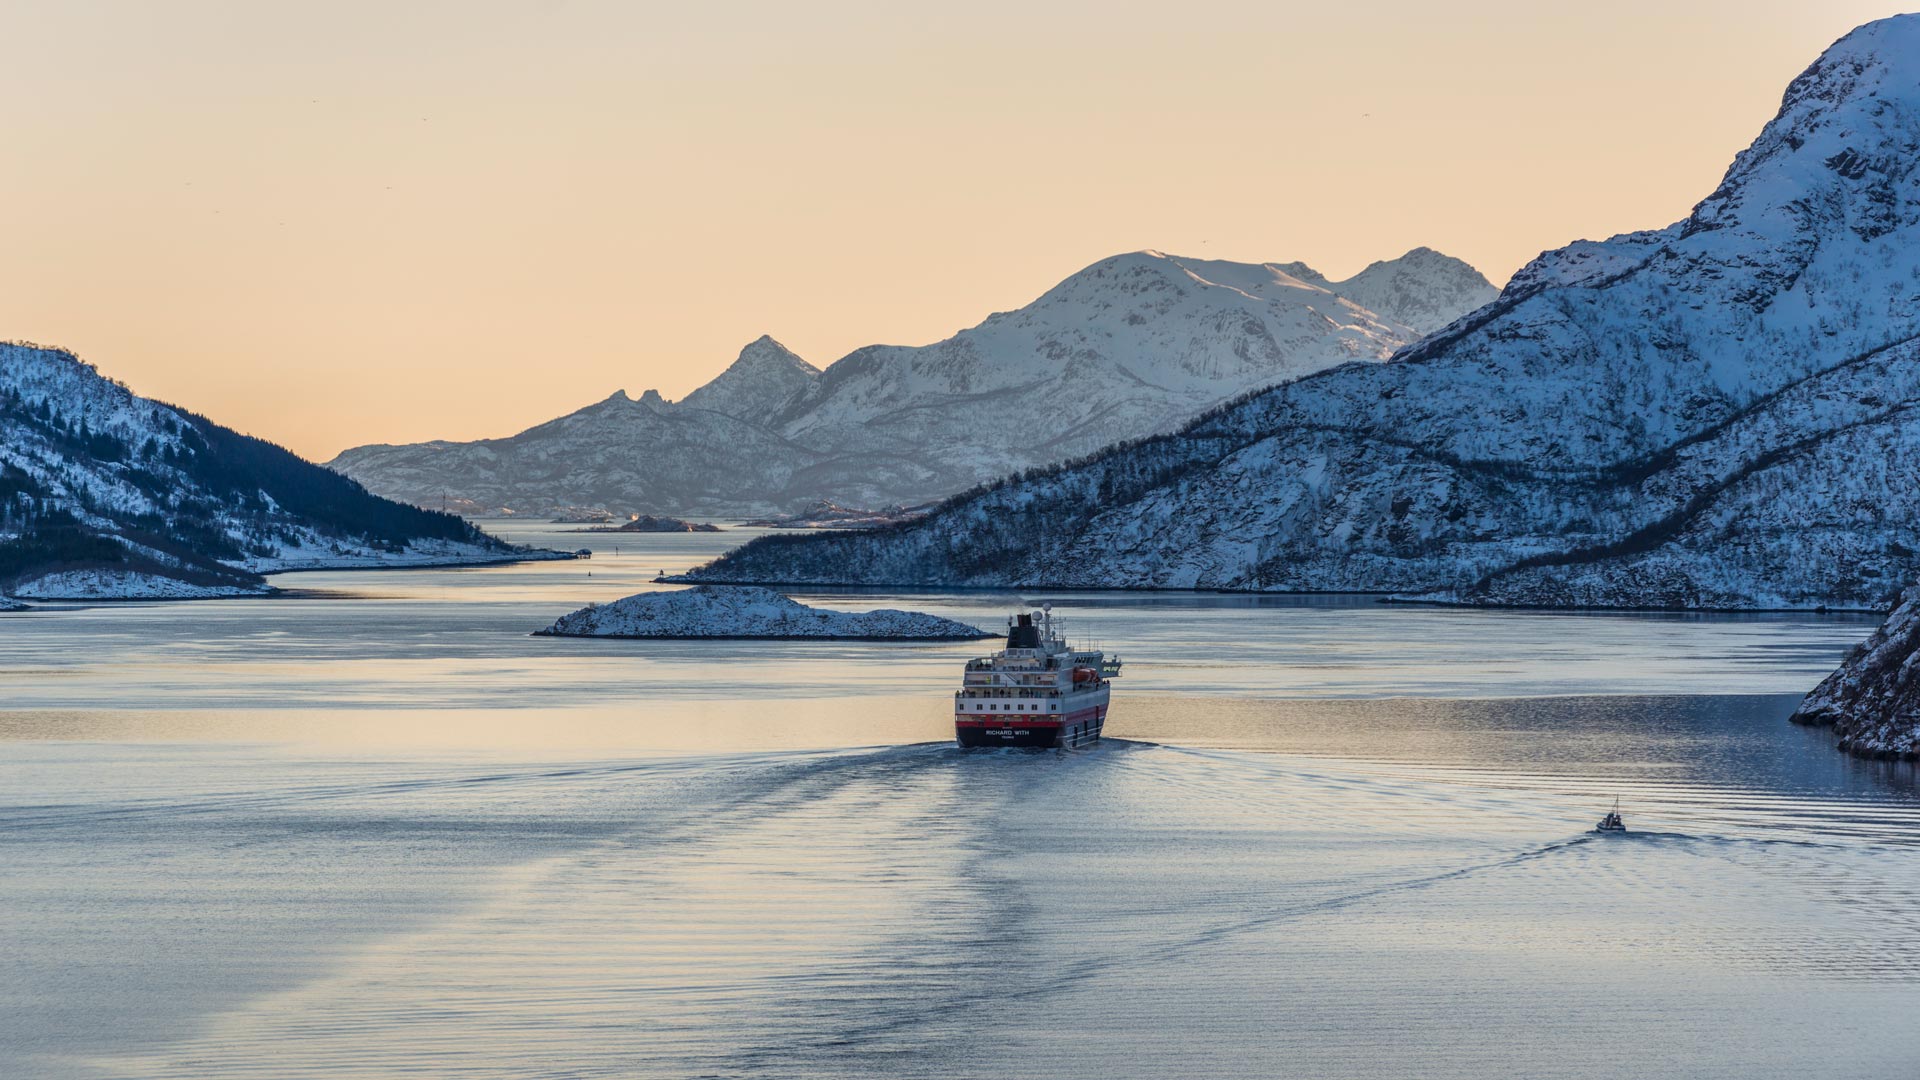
(1038, 733)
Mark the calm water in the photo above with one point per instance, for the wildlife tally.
(378, 831)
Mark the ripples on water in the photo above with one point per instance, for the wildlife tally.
(311, 839)
(1135, 910)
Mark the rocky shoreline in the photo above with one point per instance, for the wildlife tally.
(1872, 701)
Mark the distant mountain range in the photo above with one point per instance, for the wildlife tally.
(104, 494)
(1724, 413)
(1130, 346)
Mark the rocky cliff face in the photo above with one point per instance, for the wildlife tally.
(1130, 346)
(1873, 701)
(1717, 414)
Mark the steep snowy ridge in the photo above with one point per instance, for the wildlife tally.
(105, 494)
(1422, 289)
(1130, 346)
(1721, 413)
(757, 386)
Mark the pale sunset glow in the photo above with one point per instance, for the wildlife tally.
(354, 222)
(871, 540)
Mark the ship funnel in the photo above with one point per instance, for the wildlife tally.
(1023, 634)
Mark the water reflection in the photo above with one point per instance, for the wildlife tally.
(459, 639)
(378, 830)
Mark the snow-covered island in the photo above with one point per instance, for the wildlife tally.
(746, 611)
(648, 523)
(10, 604)
(1872, 701)
(102, 583)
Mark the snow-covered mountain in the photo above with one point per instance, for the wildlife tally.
(107, 494)
(759, 385)
(644, 456)
(1721, 413)
(1132, 345)
(1422, 289)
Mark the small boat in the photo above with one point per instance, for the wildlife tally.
(1612, 822)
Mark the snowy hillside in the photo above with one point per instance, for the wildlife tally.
(104, 494)
(742, 611)
(1132, 345)
(1721, 413)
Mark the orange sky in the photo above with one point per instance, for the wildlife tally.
(334, 223)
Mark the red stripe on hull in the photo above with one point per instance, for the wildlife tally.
(1072, 729)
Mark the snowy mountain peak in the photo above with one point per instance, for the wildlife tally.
(1841, 147)
(1302, 272)
(1719, 413)
(764, 351)
(1837, 158)
(1134, 344)
(1148, 281)
(1873, 60)
(1423, 289)
(758, 384)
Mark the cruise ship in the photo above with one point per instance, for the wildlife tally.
(1035, 692)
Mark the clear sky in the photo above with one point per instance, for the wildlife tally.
(336, 222)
